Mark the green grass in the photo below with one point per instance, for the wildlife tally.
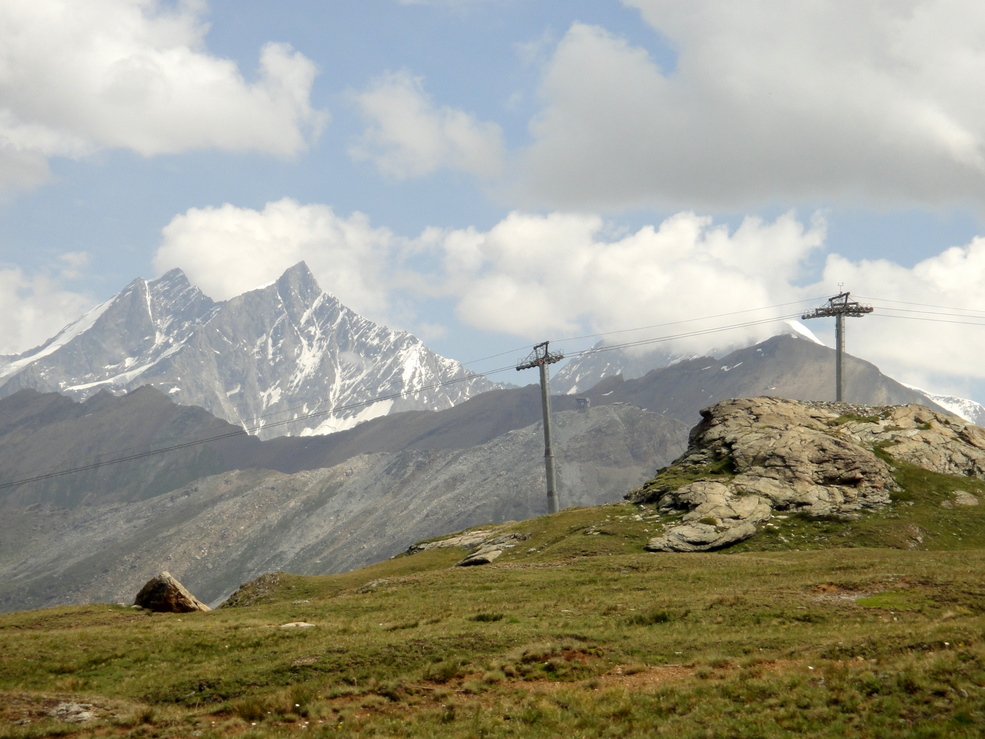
(874, 627)
(674, 476)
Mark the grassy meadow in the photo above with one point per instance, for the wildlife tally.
(870, 628)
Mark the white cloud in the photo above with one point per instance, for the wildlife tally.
(36, 306)
(790, 102)
(228, 250)
(77, 77)
(408, 136)
(530, 275)
(561, 274)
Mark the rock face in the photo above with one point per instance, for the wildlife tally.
(750, 457)
(164, 594)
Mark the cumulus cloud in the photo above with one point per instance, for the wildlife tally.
(229, 250)
(530, 275)
(409, 136)
(77, 77)
(876, 102)
(36, 306)
(562, 274)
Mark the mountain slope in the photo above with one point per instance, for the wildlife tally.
(221, 530)
(783, 366)
(285, 358)
(42, 434)
(583, 372)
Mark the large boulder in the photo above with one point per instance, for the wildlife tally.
(164, 594)
(749, 457)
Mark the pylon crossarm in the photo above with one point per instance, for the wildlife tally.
(839, 305)
(539, 356)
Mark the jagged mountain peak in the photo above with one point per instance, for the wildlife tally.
(175, 274)
(287, 357)
(299, 273)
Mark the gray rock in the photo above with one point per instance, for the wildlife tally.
(701, 537)
(468, 540)
(964, 498)
(484, 556)
(72, 712)
(164, 594)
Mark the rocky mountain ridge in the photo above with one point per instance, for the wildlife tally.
(750, 458)
(288, 358)
(783, 366)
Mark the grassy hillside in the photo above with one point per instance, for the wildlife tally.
(819, 628)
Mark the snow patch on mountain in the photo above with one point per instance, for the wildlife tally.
(800, 330)
(969, 410)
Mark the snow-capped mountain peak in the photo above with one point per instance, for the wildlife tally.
(284, 358)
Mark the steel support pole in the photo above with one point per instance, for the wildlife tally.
(545, 394)
(838, 307)
(543, 361)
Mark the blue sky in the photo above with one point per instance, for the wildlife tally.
(493, 173)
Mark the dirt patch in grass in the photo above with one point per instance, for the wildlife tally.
(631, 677)
(829, 592)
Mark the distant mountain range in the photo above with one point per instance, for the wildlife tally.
(287, 358)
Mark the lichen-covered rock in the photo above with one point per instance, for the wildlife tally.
(749, 457)
(164, 594)
(484, 556)
(486, 545)
(935, 441)
(701, 537)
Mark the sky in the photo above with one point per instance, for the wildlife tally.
(489, 174)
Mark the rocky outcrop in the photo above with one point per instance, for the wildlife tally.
(750, 457)
(164, 594)
(485, 545)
